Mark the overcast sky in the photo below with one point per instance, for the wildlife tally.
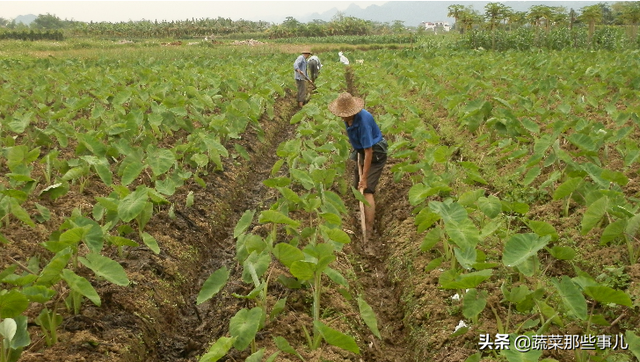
(117, 11)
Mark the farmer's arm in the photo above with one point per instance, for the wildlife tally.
(368, 156)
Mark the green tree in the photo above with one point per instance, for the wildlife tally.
(454, 12)
(47, 21)
(591, 15)
(495, 13)
(630, 15)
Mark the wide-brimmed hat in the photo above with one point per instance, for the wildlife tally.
(346, 105)
(306, 52)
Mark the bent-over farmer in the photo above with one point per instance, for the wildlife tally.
(367, 140)
(314, 67)
(300, 75)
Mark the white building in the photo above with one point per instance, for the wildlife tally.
(435, 26)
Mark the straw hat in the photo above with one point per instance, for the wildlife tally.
(346, 105)
(306, 52)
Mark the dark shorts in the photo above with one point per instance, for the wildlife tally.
(377, 164)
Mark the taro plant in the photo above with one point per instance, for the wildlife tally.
(14, 336)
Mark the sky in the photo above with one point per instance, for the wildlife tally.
(117, 11)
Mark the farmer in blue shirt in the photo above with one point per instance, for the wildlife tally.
(300, 75)
(366, 139)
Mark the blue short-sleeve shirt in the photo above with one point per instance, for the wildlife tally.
(363, 132)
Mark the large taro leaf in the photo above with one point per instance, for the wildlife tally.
(522, 246)
(594, 213)
(337, 338)
(133, 204)
(244, 223)
(571, 297)
(449, 212)
(464, 233)
(474, 303)
(369, 317)
(81, 285)
(244, 326)
(12, 304)
(160, 160)
(451, 279)
(216, 281)
(107, 268)
(606, 295)
(218, 349)
(287, 254)
(490, 206)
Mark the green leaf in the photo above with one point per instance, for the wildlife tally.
(543, 228)
(287, 254)
(21, 338)
(567, 188)
(303, 178)
(464, 233)
(595, 212)
(244, 326)
(160, 161)
(336, 277)
(51, 273)
(606, 295)
(256, 357)
(451, 279)
(81, 285)
(359, 196)
(278, 308)
(12, 304)
(522, 246)
(473, 303)
(336, 338)
(531, 175)
(276, 217)
(369, 317)
(449, 212)
(431, 239)
(634, 343)
(244, 223)
(285, 347)
(614, 230)
(131, 171)
(133, 204)
(337, 235)
(150, 242)
(490, 206)
(107, 268)
(563, 252)
(216, 281)
(218, 349)
(302, 270)
(571, 296)
(20, 213)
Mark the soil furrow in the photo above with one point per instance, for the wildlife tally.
(378, 287)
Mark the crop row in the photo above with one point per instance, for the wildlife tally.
(137, 128)
(491, 140)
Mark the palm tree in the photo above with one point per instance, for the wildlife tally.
(591, 14)
(631, 16)
(454, 12)
(495, 13)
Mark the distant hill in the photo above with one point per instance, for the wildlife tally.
(25, 19)
(415, 12)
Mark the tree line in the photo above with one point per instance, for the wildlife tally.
(496, 16)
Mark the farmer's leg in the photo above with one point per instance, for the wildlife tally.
(302, 92)
(369, 213)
